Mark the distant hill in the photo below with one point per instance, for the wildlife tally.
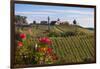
(90, 29)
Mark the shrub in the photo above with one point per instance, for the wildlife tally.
(28, 53)
(53, 34)
(68, 33)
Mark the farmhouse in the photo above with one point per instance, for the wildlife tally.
(58, 23)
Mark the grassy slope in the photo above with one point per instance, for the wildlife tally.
(74, 48)
(70, 49)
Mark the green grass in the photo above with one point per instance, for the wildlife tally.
(71, 49)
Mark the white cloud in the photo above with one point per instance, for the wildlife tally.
(80, 12)
(34, 12)
(49, 11)
(84, 18)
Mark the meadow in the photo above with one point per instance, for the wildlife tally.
(59, 45)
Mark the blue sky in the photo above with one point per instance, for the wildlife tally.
(84, 16)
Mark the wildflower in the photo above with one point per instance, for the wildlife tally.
(20, 43)
(45, 40)
(23, 36)
(44, 49)
(49, 50)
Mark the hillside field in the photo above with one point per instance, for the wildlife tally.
(71, 44)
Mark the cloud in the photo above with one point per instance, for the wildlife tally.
(84, 17)
(34, 12)
(48, 11)
(81, 12)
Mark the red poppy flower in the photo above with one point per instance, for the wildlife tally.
(45, 40)
(49, 50)
(23, 36)
(48, 41)
(20, 43)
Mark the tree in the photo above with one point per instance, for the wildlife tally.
(74, 22)
(34, 22)
(20, 19)
(17, 18)
(24, 19)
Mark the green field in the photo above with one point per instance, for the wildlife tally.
(72, 44)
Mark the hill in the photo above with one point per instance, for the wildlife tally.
(71, 43)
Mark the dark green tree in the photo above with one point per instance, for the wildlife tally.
(20, 19)
(34, 22)
(74, 22)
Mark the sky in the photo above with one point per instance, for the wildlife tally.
(83, 16)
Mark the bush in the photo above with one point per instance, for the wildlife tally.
(53, 34)
(69, 33)
(62, 34)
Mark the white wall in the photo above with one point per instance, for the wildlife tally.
(5, 34)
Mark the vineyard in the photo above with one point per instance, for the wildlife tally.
(71, 44)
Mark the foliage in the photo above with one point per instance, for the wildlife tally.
(53, 34)
(28, 53)
(66, 34)
(20, 19)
